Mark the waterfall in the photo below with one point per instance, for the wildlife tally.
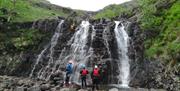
(37, 61)
(105, 37)
(54, 40)
(78, 51)
(123, 64)
(84, 47)
(79, 48)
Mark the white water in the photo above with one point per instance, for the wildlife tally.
(42, 73)
(37, 61)
(80, 49)
(78, 46)
(47, 71)
(122, 40)
(105, 37)
(81, 53)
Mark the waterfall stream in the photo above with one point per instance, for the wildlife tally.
(81, 49)
(53, 43)
(123, 64)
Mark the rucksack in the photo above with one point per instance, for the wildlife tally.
(84, 72)
(96, 72)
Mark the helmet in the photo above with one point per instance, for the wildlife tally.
(95, 66)
(70, 61)
(82, 66)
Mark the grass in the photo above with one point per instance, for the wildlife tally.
(112, 11)
(167, 43)
(27, 11)
(21, 39)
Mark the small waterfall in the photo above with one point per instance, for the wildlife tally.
(43, 71)
(123, 64)
(78, 51)
(105, 37)
(79, 48)
(37, 61)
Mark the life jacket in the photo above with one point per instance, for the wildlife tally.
(84, 72)
(69, 68)
(96, 72)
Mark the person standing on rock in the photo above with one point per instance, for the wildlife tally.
(95, 77)
(69, 71)
(83, 73)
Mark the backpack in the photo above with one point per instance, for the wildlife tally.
(96, 72)
(84, 72)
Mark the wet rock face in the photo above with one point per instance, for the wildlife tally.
(20, 64)
(105, 49)
(147, 73)
(46, 25)
(104, 46)
(152, 74)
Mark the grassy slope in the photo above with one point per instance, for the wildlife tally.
(116, 10)
(168, 40)
(18, 40)
(154, 16)
(27, 10)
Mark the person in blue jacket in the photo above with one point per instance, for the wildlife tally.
(69, 71)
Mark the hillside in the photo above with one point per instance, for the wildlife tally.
(160, 22)
(31, 10)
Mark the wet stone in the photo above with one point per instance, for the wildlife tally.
(19, 89)
(34, 88)
(113, 89)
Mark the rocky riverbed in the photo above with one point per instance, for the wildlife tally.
(10, 83)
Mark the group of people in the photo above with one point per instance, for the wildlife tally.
(95, 75)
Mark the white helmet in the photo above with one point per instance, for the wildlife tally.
(95, 66)
(70, 61)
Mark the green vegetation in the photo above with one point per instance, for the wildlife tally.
(167, 43)
(114, 10)
(27, 10)
(21, 40)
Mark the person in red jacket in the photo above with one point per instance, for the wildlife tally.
(95, 77)
(84, 73)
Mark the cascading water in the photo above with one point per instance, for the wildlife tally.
(105, 37)
(53, 43)
(83, 47)
(79, 48)
(78, 51)
(37, 61)
(123, 64)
